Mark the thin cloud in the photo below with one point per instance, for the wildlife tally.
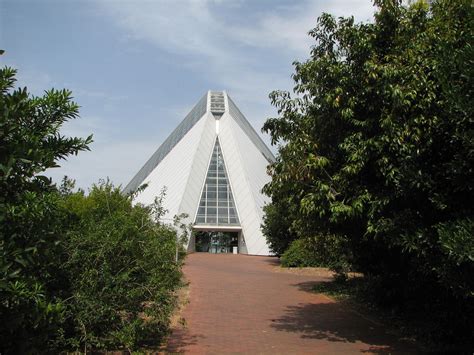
(119, 161)
(249, 58)
(202, 33)
(289, 25)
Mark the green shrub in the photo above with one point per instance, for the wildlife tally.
(121, 266)
(322, 250)
(32, 285)
(276, 226)
(77, 271)
(297, 255)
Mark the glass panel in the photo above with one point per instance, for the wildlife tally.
(211, 203)
(211, 211)
(217, 193)
(216, 242)
(223, 211)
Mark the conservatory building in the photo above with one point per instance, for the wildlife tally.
(213, 167)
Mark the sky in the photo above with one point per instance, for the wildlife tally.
(137, 67)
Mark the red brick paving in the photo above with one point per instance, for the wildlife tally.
(239, 304)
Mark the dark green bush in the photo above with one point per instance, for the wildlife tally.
(377, 144)
(298, 255)
(276, 226)
(321, 250)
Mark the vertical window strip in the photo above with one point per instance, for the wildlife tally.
(219, 191)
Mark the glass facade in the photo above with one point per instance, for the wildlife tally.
(216, 242)
(217, 206)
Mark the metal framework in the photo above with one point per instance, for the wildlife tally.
(217, 206)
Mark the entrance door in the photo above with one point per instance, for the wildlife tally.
(216, 242)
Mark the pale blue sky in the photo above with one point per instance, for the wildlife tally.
(137, 67)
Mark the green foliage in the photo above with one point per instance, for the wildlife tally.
(378, 146)
(121, 266)
(318, 251)
(77, 271)
(184, 233)
(277, 227)
(297, 255)
(31, 304)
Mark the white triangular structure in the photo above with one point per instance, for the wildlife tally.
(213, 166)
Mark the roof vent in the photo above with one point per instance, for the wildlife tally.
(217, 104)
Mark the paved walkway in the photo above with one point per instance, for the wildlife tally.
(240, 304)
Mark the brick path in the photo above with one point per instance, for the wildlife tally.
(240, 304)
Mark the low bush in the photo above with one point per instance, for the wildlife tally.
(120, 263)
(318, 251)
(297, 255)
(276, 226)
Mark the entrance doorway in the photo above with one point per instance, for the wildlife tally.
(216, 242)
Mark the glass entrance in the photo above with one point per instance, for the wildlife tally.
(216, 242)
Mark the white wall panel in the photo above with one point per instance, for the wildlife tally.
(173, 172)
(192, 192)
(255, 165)
(244, 165)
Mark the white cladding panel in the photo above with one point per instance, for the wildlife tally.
(246, 167)
(173, 172)
(255, 166)
(202, 154)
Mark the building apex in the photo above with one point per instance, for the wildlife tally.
(217, 103)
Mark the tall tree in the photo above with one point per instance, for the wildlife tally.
(29, 219)
(377, 145)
